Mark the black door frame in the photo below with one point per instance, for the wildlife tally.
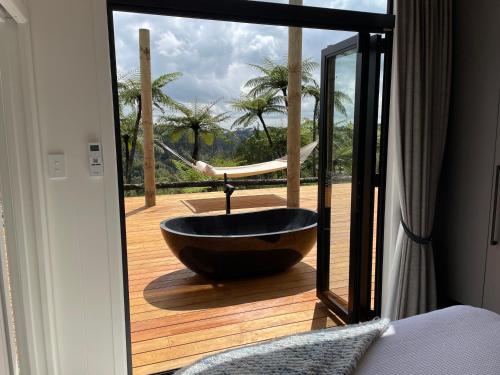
(365, 177)
(246, 11)
(358, 45)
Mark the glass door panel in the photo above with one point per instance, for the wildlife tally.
(349, 177)
(340, 72)
(340, 118)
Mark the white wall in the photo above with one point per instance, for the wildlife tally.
(78, 249)
(17, 192)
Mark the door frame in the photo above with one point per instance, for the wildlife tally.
(263, 12)
(357, 43)
(244, 11)
(365, 179)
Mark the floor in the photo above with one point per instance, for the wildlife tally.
(178, 316)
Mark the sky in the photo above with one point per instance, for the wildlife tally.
(214, 56)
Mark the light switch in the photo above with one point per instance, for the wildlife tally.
(57, 167)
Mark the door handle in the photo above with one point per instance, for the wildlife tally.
(493, 231)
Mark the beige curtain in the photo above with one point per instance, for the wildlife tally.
(423, 72)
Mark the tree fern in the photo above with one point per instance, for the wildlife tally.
(196, 120)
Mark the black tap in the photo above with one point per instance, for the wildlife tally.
(228, 190)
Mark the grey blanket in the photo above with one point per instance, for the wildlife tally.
(328, 351)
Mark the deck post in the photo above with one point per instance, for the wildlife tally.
(147, 118)
(294, 112)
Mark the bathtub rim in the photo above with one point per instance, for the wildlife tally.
(314, 225)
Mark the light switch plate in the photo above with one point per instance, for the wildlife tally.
(57, 166)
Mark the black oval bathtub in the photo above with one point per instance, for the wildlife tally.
(242, 244)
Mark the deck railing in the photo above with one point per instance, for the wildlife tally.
(239, 183)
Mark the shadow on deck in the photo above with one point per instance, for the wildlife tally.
(202, 293)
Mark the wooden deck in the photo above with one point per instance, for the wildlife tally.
(178, 316)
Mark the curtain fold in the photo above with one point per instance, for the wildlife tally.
(423, 43)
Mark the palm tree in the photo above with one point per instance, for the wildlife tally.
(127, 123)
(129, 92)
(200, 120)
(313, 91)
(274, 77)
(342, 147)
(255, 108)
(340, 99)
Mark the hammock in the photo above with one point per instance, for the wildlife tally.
(243, 170)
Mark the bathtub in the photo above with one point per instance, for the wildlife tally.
(242, 244)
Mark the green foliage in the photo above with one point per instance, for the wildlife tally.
(224, 162)
(199, 121)
(306, 137)
(255, 149)
(195, 128)
(274, 77)
(342, 148)
(340, 99)
(188, 174)
(255, 107)
(306, 131)
(129, 89)
(129, 96)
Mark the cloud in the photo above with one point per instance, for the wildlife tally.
(168, 45)
(214, 56)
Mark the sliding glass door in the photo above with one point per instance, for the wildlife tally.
(350, 133)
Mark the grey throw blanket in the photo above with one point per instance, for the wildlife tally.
(328, 351)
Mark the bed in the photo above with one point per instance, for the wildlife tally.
(456, 340)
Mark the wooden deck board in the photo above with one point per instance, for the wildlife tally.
(178, 316)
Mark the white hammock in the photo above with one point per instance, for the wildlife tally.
(243, 170)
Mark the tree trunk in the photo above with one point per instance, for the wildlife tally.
(196, 145)
(266, 131)
(294, 112)
(126, 141)
(314, 131)
(147, 119)
(133, 146)
(285, 97)
(214, 147)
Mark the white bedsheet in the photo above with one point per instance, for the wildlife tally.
(459, 340)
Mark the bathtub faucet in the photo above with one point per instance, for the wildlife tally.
(228, 190)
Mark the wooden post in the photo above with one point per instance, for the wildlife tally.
(147, 118)
(294, 112)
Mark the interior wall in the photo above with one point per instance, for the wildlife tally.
(18, 201)
(464, 199)
(81, 251)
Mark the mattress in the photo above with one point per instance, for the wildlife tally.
(456, 340)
